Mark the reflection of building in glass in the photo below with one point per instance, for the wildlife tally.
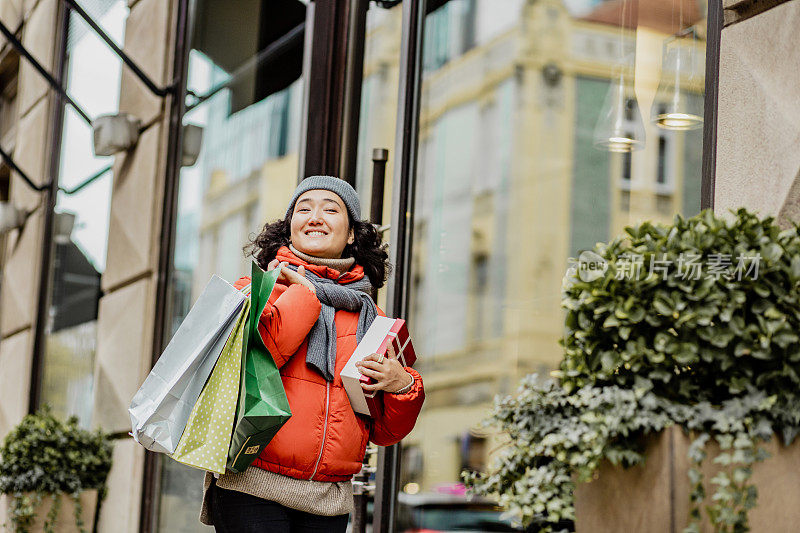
(72, 329)
(240, 176)
(250, 113)
(69, 377)
(244, 163)
(510, 185)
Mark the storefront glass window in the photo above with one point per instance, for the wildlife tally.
(81, 218)
(378, 113)
(523, 163)
(9, 74)
(248, 108)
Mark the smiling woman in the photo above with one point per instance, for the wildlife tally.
(320, 308)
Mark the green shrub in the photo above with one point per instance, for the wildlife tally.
(651, 341)
(45, 455)
(702, 339)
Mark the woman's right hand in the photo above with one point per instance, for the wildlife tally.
(290, 276)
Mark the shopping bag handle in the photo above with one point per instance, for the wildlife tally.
(263, 283)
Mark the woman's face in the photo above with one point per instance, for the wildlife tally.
(320, 224)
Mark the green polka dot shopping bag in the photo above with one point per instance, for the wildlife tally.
(205, 441)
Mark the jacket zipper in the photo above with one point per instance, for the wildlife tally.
(325, 427)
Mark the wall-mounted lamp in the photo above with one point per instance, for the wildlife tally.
(115, 133)
(192, 144)
(11, 217)
(62, 227)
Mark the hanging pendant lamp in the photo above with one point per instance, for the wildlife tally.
(674, 108)
(620, 127)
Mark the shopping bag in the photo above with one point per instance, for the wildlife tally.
(263, 407)
(161, 407)
(207, 437)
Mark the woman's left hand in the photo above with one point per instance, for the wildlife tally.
(389, 374)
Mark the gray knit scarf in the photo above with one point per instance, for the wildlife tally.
(354, 297)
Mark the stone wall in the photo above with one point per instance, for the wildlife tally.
(126, 316)
(758, 127)
(20, 273)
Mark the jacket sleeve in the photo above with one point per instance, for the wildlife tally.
(286, 322)
(400, 412)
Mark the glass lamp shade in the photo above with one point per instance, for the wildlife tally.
(673, 107)
(620, 127)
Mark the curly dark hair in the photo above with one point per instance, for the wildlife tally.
(367, 248)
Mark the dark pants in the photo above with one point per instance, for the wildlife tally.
(237, 512)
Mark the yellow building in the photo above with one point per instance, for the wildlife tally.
(509, 186)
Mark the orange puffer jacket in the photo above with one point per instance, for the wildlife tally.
(324, 440)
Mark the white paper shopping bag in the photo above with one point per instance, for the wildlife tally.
(160, 409)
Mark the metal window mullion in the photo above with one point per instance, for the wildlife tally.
(151, 477)
(325, 79)
(49, 204)
(87, 181)
(710, 105)
(144, 78)
(353, 81)
(11, 163)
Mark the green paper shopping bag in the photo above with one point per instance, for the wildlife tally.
(206, 439)
(263, 407)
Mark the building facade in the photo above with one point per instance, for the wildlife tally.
(496, 115)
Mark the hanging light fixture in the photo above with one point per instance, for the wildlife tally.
(620, 127)
(673, 107)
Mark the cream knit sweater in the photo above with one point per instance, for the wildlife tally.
(316, 497)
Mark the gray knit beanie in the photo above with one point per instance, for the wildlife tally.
(329, 183)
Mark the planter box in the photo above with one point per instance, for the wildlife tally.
(65, 523)
(654, 497)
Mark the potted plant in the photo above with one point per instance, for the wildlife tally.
(691, 325)
(47, 464)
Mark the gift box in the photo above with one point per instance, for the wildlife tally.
(388, 337)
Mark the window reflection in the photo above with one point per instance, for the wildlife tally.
(378, 112)
(81, 217)
(248, 105)
(511, 183)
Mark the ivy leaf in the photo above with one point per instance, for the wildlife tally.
(772, 252)
(608, 361)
